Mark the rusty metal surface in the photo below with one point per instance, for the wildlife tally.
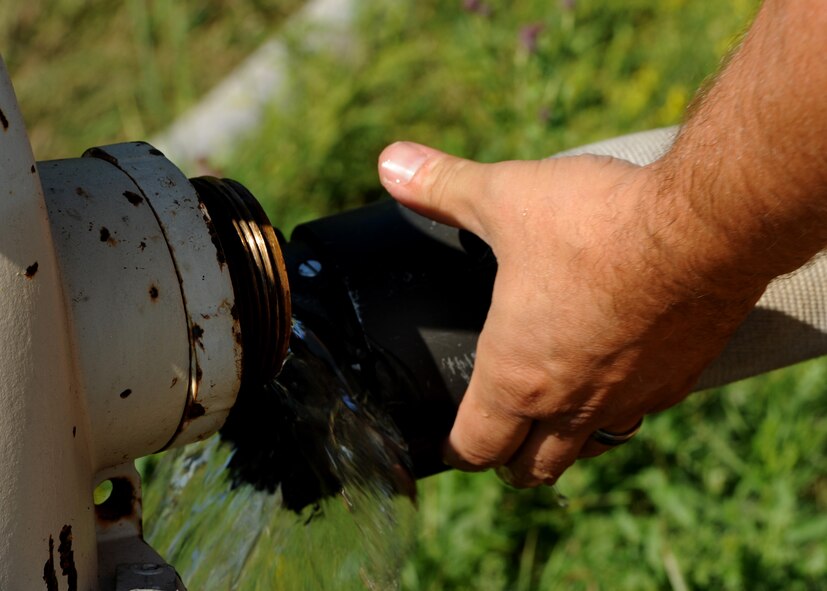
(45, 499)
(127, 317)
(154, 336)
(126, 562)
(119, 335)
(154, 331)
(146, 576)
(214, 371)
(249, 246)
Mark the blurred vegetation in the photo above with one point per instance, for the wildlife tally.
(95, 72)
(726, 491)
(488, 80)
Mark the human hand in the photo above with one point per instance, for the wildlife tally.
(605, 306)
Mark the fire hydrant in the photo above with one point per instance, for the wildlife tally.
(129, 321)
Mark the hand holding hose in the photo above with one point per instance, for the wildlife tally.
(617, 284)
(595, 320)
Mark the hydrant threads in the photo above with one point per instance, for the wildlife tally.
(257, 271)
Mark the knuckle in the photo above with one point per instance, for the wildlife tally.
(440, 182)
(581, 418)
(536, 392)
(524, 391)
(545, 470)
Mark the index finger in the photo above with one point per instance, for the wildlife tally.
(487, 431)
(483, 436)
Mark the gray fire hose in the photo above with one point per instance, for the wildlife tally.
(788, 325)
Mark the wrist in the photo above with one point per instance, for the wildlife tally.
(747, 175)
(704, 254)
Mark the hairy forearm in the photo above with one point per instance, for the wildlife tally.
(749, 167)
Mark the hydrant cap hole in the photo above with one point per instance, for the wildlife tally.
(102, 492)
(120, 501)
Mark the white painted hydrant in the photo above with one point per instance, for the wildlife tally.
(124, 329)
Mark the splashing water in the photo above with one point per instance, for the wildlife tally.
(308, 487)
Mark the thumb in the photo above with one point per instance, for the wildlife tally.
(437, 185)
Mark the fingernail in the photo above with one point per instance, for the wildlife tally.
(400, 162)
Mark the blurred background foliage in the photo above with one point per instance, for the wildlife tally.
(726, 491)
(93, 71)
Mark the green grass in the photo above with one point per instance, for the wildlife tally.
(95, 72)
(462, 81)
(726, 491)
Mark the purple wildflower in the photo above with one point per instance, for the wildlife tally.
(528, 36)
(477, 6)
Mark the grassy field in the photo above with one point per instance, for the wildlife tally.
(727, 491)
(95, 72)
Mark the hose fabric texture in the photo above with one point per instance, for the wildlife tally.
(789, 323)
